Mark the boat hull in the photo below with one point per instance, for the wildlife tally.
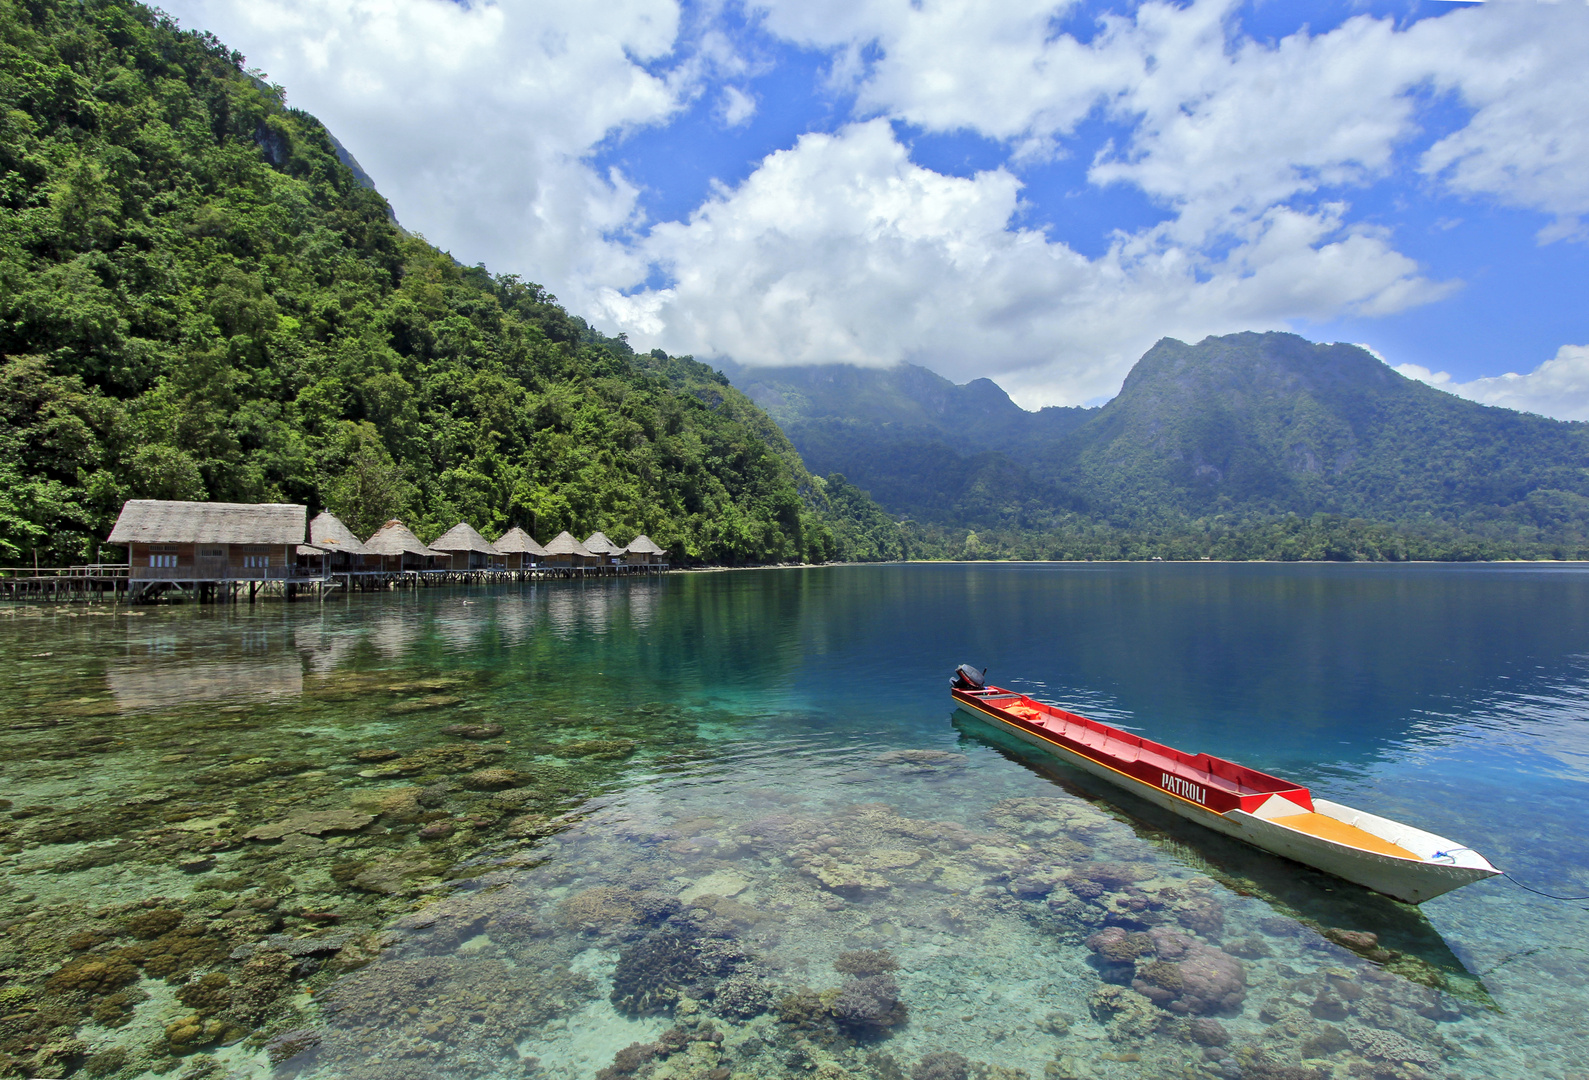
(1410, 880)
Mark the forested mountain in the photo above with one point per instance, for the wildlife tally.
(200, 300)
(1245, 445)
(1271, 423)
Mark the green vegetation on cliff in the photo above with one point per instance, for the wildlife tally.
(198, 300)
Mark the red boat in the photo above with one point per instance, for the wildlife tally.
(1265, 811)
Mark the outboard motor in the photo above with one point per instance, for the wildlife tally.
(969, 678)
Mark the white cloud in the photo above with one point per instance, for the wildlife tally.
(843, 249)
(1442, 379)
(1527, 143)
(1559, 387)
(480, 123)
(736, 107)
(1222, 127)
(476, 121)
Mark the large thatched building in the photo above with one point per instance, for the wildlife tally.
(519, 549)
(197, 541)
(467, 549)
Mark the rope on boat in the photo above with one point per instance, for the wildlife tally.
(1540, 892)
(1509, 877)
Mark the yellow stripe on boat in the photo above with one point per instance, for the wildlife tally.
(1340, 832)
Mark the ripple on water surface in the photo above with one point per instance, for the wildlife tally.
(656, 830)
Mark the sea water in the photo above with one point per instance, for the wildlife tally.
(728, 825)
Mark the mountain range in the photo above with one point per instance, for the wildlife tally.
(1230, 432)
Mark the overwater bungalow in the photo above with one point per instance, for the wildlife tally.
(397, 548)
(519, 549)
(643, 551)
(606, 552)
(209, 541)
(565, 551)
(467, 549)
(332, 546)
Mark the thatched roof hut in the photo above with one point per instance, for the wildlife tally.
(157, 521)
(643, 551)
(564, 550)
(327, 533)
(463, 537)
(643, 545)
(517, 542)
(519, 549)
(469, 550)
(394, 540)
(598, 544)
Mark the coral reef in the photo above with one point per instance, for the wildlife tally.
(654, 973)
(943, 1065)
(868, 1006)
(865, 962)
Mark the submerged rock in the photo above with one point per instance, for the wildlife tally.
(1189, 977)
(312, 823)
(922, 761)
(494, 779)
(473, 731)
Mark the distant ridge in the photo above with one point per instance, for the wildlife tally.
(1238, 428)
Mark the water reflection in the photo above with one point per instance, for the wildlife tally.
(573, 827)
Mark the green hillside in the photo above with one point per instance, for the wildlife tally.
(199, 300)
(1245, 446)
(1265, 424)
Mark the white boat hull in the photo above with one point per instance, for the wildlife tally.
(1442, 865)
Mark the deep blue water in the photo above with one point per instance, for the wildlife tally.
(1451, 697)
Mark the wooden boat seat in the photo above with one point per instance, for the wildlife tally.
(1329, 828)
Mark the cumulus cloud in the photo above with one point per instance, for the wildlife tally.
(481, 124)
(1222, 126)
(477, 121)
(842, 249)
(1557, 388)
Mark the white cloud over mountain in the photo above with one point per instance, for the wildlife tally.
(843, 249)
(476, 122)
(1557, 388)
(482, 125)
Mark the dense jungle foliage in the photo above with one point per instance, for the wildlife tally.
(1257, 446)
(199, 301)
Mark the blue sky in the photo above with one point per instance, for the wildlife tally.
(1019, 189)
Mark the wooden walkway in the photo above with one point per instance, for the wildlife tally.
(114, 582)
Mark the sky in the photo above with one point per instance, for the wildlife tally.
(1028, 191)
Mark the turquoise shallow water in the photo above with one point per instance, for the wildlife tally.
(729, 821)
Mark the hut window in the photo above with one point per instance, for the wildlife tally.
(255, 562)
(165, 561)
(212, 553)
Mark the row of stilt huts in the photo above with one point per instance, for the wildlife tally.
(226, 551)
